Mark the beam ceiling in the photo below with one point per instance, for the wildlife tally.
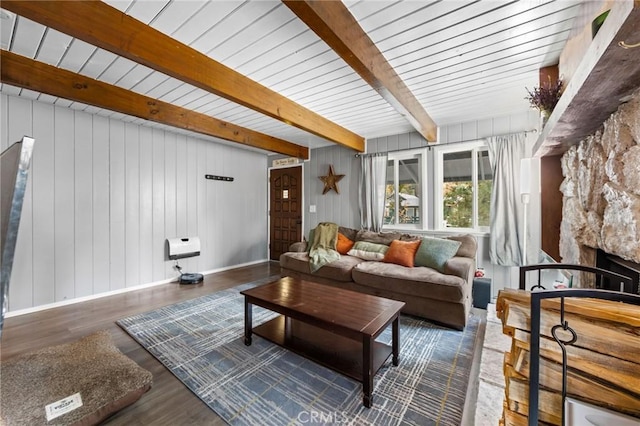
(333, 23)
(23, 72)
(103, 26)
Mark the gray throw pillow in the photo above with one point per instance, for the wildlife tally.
(377, 237)
(435, 252)
(350, 233)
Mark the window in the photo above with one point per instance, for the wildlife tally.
(404, 205)
(464, 186)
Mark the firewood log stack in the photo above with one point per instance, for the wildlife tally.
(604, 362)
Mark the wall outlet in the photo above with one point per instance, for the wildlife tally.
(312, 208)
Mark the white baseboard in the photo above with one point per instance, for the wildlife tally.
(226, 268)
(120, 291)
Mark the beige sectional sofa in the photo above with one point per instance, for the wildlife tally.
(443, 297)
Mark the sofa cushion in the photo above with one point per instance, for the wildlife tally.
(339, 270)
(434, 252)
(402, 253)
(344, 244)
(377, 237)
(368, 251)
(418, 281)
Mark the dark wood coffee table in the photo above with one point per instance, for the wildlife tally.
(333, 327)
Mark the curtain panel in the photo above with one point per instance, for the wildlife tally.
(371, 191)
(507, 240)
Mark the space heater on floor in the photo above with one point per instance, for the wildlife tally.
(180, 248)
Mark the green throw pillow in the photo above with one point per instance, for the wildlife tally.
(368, 251)
(434, 252)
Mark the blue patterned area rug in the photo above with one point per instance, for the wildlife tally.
(201, 342)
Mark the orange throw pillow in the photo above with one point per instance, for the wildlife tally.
(402, 252)
(343, 245)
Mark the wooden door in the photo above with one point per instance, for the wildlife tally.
(285, 189)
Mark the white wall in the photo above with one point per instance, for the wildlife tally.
(103, 195)
(339, 208)
(477, 129)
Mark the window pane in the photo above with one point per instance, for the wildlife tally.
(390, 196)
(409, 190)
(457, 189)
(485, 183)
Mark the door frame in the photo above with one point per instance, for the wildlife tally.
(288, 166)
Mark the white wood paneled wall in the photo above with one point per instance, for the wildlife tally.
(404, 141)
(339, 208)
(103, 195)
(477, 129)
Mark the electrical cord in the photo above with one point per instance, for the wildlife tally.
(178, 268)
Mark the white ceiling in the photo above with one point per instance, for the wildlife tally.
(463, 60)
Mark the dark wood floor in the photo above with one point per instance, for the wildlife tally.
(168, 402)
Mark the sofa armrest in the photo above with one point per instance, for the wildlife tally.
(468, 245)
(463, 267)
(299, 247)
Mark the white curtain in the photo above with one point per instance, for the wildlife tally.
(371, 192)
(507, 210)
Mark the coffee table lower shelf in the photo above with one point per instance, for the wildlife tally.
(331, 350)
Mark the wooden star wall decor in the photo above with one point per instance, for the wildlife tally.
(331, 181)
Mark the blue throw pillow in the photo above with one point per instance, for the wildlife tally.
(434, 252)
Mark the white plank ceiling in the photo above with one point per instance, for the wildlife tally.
(463, 60)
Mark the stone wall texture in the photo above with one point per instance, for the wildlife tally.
(601, 191)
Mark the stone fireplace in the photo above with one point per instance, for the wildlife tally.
(601, 193)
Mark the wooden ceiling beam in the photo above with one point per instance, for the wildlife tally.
(27, 73)
(333, 23)
(103, 26)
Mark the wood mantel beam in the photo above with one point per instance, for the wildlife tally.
(103, 26)
(24, 72)
(333, 23)
(607, 76)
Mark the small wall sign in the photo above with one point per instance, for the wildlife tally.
(216, 177)
(284, 162)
